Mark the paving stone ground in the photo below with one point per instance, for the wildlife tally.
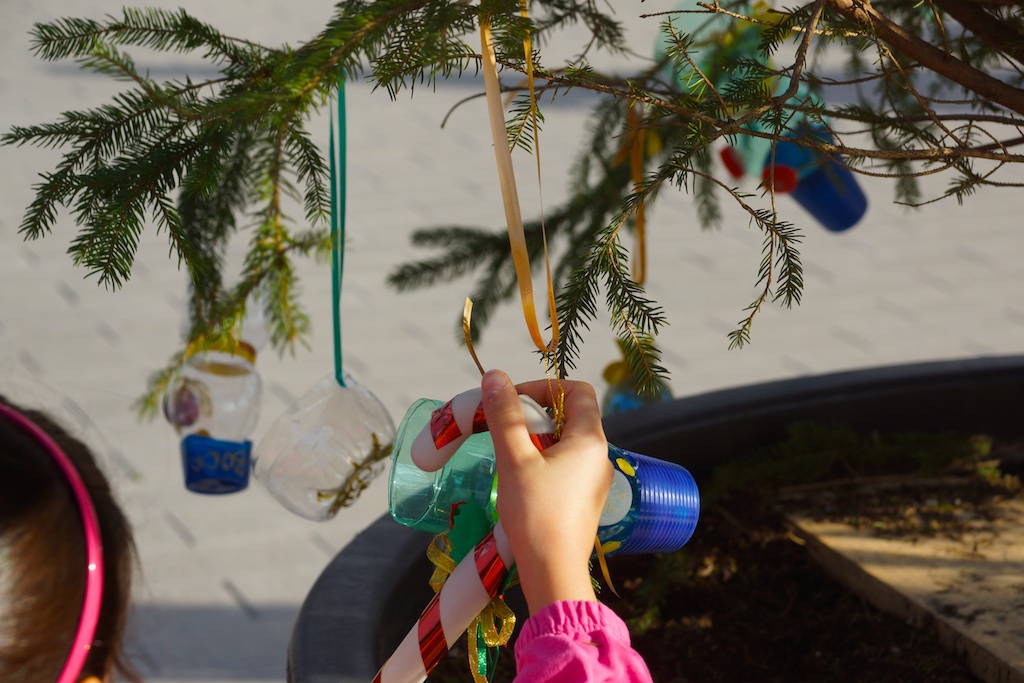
(222, 577)
(965, 590)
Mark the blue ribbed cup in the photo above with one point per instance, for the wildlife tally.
(668, 509)
(832, 195)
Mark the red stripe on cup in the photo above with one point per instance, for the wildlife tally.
(542, 441)
(479, 421)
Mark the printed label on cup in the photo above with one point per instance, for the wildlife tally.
(620, 500)
(214, 465)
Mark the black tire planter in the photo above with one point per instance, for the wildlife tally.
(372, 592)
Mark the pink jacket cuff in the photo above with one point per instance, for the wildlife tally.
(577, 642)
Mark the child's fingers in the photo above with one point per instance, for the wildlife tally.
(582, 411)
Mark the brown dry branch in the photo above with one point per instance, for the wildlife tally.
(929, 56)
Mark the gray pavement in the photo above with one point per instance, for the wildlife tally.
(222, 578)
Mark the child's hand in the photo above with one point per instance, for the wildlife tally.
(549, 502)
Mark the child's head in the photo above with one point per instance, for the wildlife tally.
(43, 550)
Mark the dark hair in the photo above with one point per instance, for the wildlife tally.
(43, 559)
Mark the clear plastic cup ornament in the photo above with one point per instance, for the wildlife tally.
(325, 449)
(214, 403)
(331, 443)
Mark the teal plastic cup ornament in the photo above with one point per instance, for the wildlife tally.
(443, 460)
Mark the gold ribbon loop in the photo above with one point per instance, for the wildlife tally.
(497, 622)
(439, 552)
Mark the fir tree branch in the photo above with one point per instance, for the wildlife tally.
(236, 144)
(986, 26)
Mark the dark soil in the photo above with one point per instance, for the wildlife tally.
(744, 601)
(753, 606)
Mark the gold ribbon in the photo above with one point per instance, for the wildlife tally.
(634, 117)
(599, 551)
(228, 345)
(439, 552)
(509, 193)
(635, 146)
(467, 315)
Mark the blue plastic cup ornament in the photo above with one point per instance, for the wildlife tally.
(825, 188)
(820, 184)
(652, 506)
(325, 448)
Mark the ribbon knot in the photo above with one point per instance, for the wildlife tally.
(493, 627)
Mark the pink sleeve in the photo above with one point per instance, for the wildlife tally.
(577, 642)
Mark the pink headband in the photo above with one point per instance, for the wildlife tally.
(93, 547)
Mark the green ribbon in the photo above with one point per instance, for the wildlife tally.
(470, 523)
(337, 168)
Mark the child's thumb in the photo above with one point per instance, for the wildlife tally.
(504, 414)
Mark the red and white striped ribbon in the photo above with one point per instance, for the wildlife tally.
(475, 582)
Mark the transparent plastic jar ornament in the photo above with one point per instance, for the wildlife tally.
(325, 448)
(214, 404)
(652, 506)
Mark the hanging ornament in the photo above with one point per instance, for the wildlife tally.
(444, 465)
(819, 182)
(325, 449)
(622, 395)
(214, 403)
(330, 444)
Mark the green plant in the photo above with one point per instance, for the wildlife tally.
(814, 452)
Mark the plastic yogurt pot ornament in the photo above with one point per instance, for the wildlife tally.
(214, 403)
(325, 448)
